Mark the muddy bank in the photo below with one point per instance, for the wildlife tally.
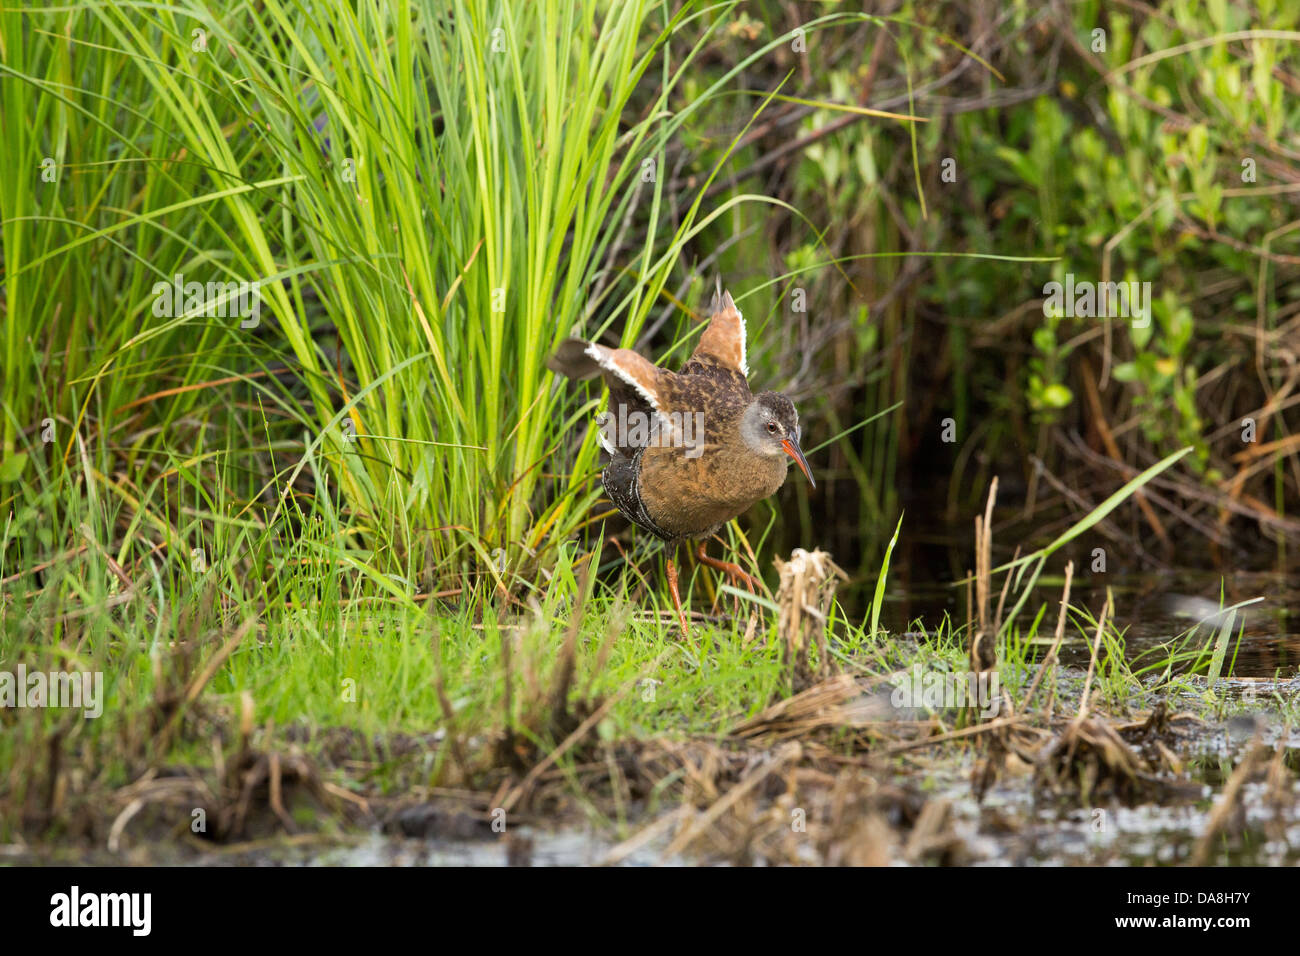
(827, 776)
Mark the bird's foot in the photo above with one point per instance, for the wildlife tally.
(732, 570)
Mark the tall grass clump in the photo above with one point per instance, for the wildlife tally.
(425, 196)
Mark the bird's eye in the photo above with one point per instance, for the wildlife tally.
(771, 428)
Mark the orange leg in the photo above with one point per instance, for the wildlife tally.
(733, 571)
(677, 599)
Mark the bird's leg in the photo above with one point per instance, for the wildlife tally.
(728, 568)
(677, 598)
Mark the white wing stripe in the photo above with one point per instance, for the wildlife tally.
(605, 360)
(744, 343)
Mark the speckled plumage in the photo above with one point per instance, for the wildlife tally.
(666, 489)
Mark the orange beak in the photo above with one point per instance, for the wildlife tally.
(792, 449)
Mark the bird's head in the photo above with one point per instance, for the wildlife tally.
(770, 427)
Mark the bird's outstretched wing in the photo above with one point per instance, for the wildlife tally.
(711, 388)
(636, 388)
(723, 342)
(621, 368)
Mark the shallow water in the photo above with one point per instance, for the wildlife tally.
(1012, 827)
(1152, 609)
(526, 846)
(523, 846)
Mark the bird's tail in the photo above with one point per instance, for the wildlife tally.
(573, 359)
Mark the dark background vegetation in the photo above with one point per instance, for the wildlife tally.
(1126, 173)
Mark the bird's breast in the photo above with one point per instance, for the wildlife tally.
(694, 495)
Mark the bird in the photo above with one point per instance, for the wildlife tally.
(693, 449)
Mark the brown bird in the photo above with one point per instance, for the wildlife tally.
(689, 450)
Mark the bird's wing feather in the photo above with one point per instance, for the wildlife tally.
(636, 386)
(723, 342)
(627, 368)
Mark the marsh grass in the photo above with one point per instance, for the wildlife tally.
(346, 691)
(366, 513)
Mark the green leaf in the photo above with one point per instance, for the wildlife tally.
(12, 467)
(879, 598)
(1125, 372)
(1057, 396)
